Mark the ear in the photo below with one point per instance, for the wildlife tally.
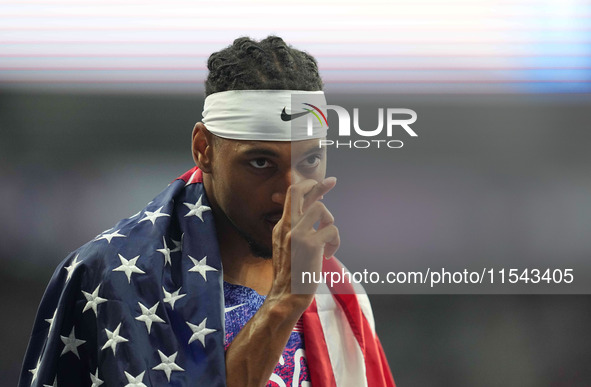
(202, 147)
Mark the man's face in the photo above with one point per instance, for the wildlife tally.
(250, 179)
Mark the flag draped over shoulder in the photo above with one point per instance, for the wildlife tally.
(142, 304)
(342, 347)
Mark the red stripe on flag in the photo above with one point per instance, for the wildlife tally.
(385, 366)
(193, 175)
(341, 286)
(319, 367)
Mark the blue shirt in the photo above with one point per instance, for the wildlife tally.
(241, 303)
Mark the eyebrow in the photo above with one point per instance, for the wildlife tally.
(271, 153)
(315, 149)
(260, 151)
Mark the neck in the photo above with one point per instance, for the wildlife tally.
(239, 265)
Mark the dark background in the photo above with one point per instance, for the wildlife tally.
(490, 180)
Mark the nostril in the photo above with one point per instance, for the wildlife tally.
(278, 198)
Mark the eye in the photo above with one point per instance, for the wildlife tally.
(311, 161)
(260, 163)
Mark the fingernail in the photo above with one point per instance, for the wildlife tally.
(328, 180)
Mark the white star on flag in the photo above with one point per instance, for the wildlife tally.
(173, 297)
(54, 383)
(128, 267)
(35, 370)
(149, 316)
(72, 343)
(178, 245)
(113, 339)
(50, 321)
(92, 300)
(197, 209)
(166, 252)
(96, 382)
(200, 331)
(168, 364)
(201, 267)
(109, 237)
(70, 269)
(152, 216)
(135, 381)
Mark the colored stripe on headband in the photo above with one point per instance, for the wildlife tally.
(266, 115)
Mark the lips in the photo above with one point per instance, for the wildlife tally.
(273, 219)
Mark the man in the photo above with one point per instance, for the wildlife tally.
(146, 303)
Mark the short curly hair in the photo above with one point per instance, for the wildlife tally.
(268, 64)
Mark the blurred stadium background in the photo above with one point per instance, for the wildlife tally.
(98, 99)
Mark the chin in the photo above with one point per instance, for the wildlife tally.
(261, 250)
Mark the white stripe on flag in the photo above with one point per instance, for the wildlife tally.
(347, 361)
(363, 300)
(365, 306)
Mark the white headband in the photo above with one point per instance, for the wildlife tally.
(266, 115)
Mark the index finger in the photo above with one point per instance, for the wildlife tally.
(318, 191)
(311, 192)
(299, 196)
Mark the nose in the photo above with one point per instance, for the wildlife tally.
(290, 177)
(285, 179)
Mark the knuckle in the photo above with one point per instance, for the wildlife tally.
(282, 225)
(299, 238)
(292, 190)
(309, 243)
(330, 216)
(318, 206)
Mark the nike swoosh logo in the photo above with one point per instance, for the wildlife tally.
(289, 117)
(230, 308)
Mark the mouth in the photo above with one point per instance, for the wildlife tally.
(272, 220)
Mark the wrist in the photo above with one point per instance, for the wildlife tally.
(287, 308)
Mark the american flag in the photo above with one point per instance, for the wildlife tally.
(142, 304)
